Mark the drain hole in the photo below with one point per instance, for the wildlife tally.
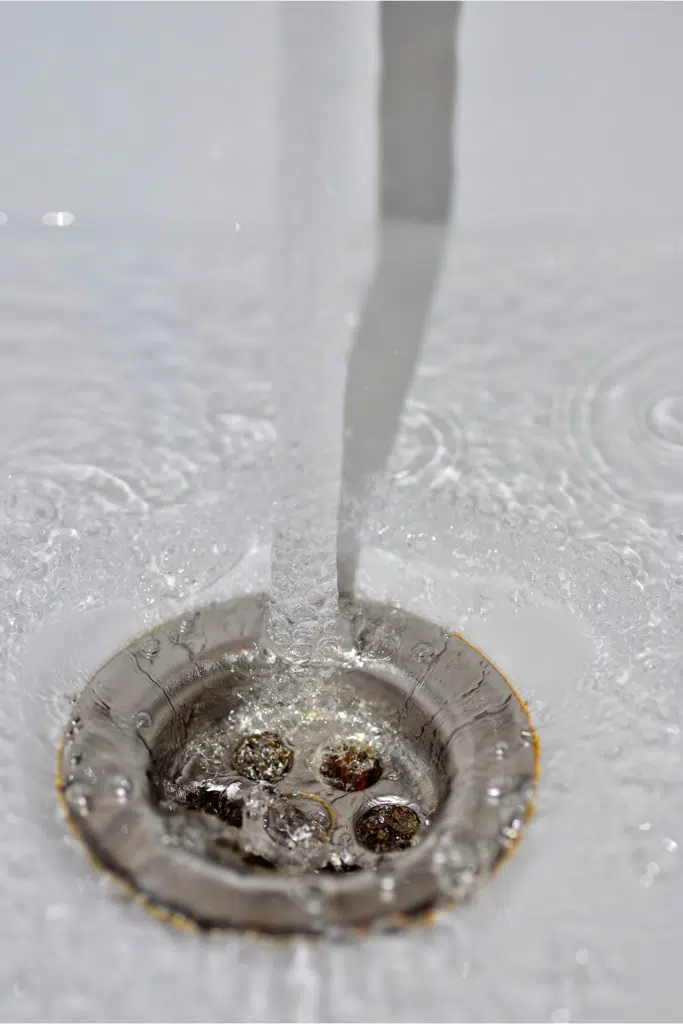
(387, 827)
(214, 800)
(293, 820)
(351, 766)
(262, 757)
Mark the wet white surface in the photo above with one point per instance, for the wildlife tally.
(536, 503)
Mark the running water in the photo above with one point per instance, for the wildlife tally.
(311, 329)
(318, 521)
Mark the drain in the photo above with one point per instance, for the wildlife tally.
(351, 766)
(387, 827)
(241, 790)
(263, 757)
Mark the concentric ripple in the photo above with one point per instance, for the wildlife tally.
(429, 449)
(627, 421)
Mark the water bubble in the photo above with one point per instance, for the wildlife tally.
(387, 888)
(455, 865)
(650, 874)
(121, 786)
(143, 720)
(423, 652)
(149, 648)
(60, 219)
(509, 833)
(78, 798)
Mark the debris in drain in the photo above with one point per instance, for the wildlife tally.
(340, 863)
(297, 819)
(387, 827)
(351, 766)
(262, 757)
(213, 799)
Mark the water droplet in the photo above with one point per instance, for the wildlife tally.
(143, 720)
(423, 652)
(121, 786)
(509, 833)
(78, 798)
(387, 888)
(149, 648)
(62, 219)
(455, 864)
(649, 875)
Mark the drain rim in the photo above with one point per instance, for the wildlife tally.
(210, 894)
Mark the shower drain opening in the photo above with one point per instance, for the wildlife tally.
(243, 791)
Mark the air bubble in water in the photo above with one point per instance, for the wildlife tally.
(78, 798)
(143, 720)
(149, 648)
(455, 864)
(423, 652)
(121, 786)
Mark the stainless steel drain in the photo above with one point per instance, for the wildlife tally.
(226, 785)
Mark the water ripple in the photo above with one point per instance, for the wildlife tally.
(430, 448)
(626, 420)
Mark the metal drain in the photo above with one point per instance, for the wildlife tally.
(239, 790)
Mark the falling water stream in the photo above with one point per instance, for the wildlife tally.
(310, 336)
(339, 400)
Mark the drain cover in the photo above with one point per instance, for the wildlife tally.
(240, 790)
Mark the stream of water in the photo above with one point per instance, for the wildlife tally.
(334, 441)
